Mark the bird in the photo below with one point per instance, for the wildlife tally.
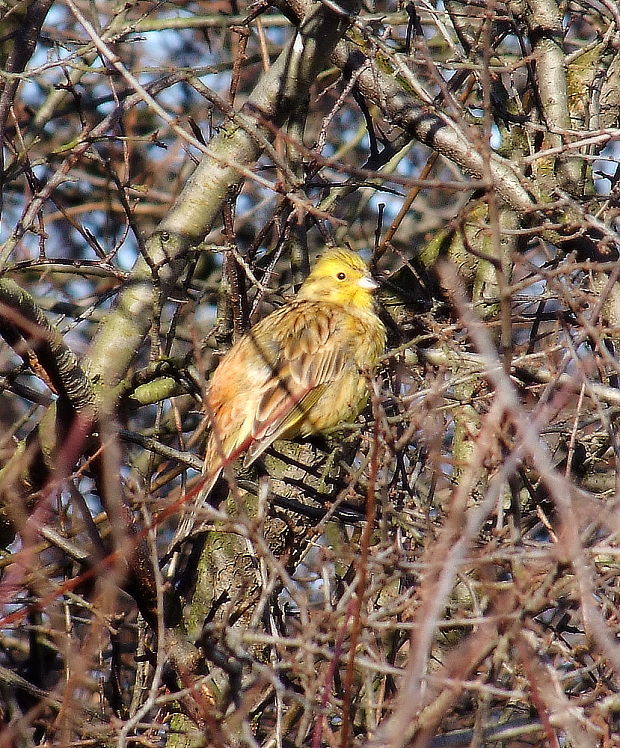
(298, 372)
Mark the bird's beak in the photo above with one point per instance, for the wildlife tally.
(367, 283)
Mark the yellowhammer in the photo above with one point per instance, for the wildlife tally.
(298, 371)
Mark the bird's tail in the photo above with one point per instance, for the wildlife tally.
(218, 454)
(188, 526)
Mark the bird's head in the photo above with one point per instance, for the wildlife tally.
(340, 277)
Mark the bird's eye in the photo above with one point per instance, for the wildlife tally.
(341, 276)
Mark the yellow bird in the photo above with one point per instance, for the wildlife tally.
(297, 372)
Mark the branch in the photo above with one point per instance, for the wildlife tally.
(525, 373)
(546, 35)
(225, 162)
(24, 31)
(27, 330)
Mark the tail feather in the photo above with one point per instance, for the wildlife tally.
(217, 456)
(187, 523)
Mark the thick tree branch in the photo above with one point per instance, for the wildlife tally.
(27, 330)
(544, 23)
(230, 153)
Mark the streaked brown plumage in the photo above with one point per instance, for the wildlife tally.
(298, 372)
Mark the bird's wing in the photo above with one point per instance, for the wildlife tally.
(312, 353)
(297, 353)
